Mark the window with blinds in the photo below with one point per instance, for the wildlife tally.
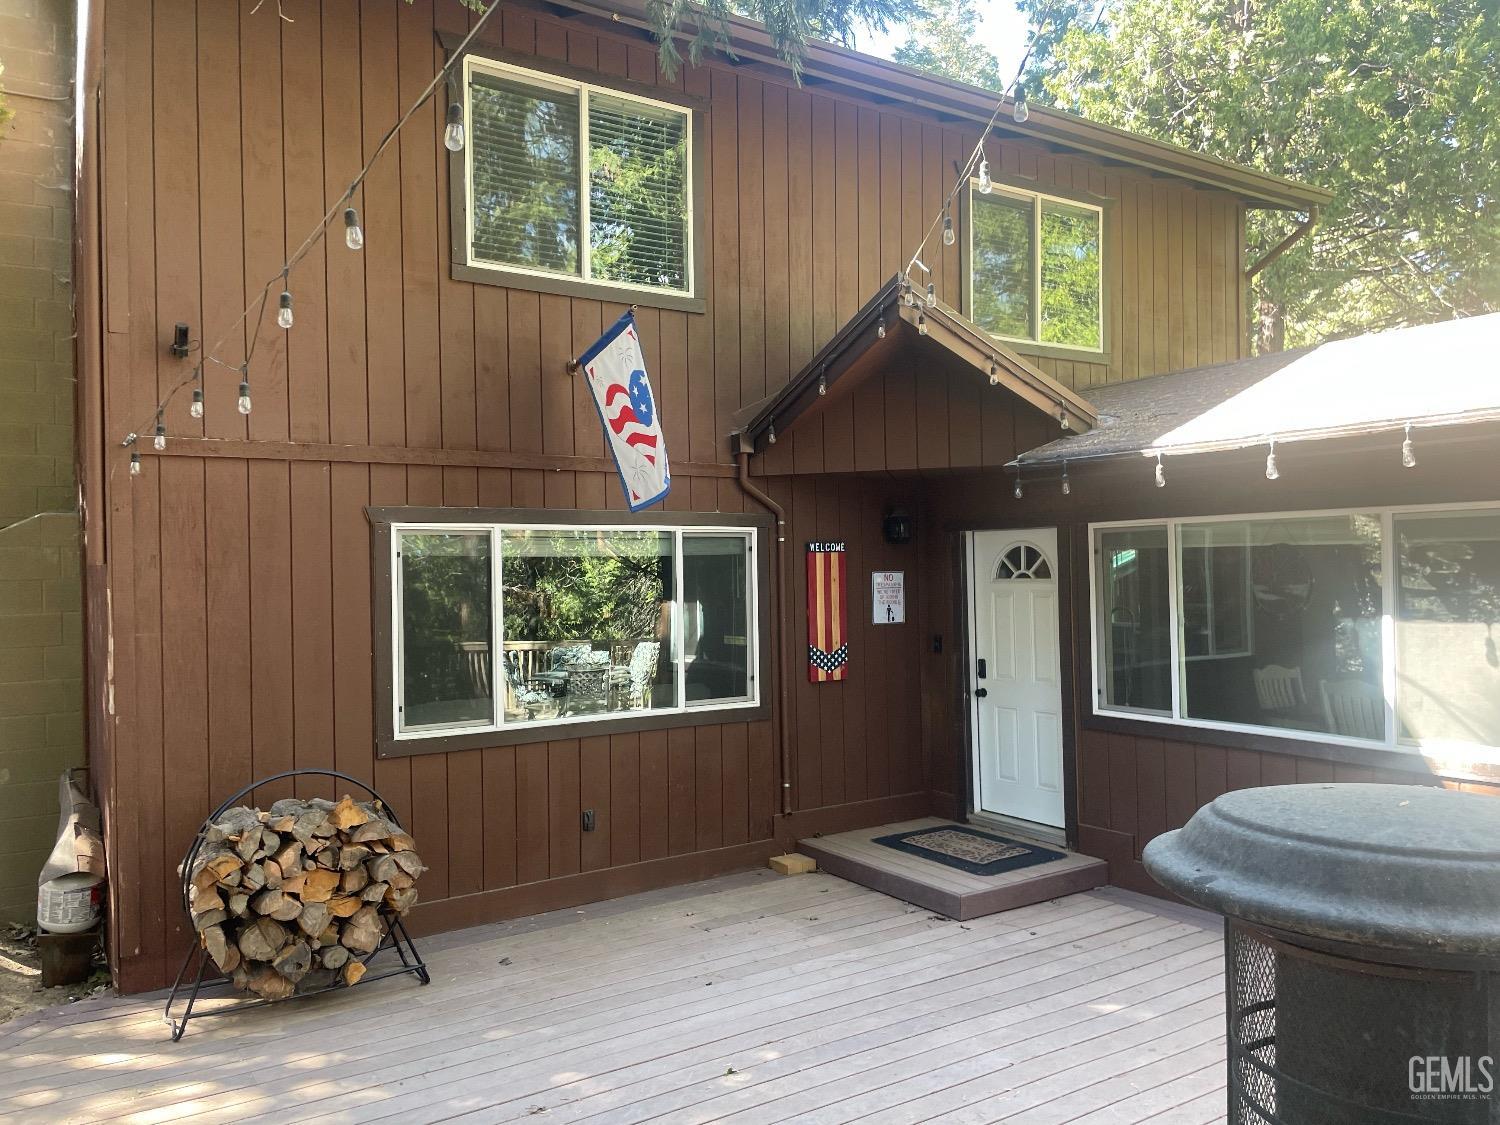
(1035, 268)
(567, 179)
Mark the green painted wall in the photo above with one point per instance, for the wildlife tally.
(41, 634)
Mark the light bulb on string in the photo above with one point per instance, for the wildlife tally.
(1408, 454)
(931, 294)
(822, 385)
(1272, 472)
(986, 185)
(1018, 492)
(921, 324)
(1062, 418)
(771, 433)
(994, 374)
(1161, 473)
(1067, 485)
(135, 463)
(284, 311)
(880, 329)
(354, 236)
(453, 135)
(159, 440)
(949, 238)
(1020, 111)
(244, 402)
(196, 410)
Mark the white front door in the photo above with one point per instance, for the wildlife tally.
(1015, 680)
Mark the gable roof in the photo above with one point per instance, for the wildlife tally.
(886, 331)
(1436, 374)
(883, 81)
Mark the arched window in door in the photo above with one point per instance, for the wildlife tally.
(1024, 561)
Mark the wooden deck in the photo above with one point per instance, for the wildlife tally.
(947, 890)
(752, 998)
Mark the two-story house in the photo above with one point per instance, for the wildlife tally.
(394, 543)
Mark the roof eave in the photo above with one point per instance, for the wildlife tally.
(892, 82)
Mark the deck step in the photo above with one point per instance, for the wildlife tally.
(943, 889)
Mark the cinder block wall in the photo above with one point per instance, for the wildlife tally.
(41, 634)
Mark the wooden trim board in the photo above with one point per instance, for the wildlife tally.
(946, 890)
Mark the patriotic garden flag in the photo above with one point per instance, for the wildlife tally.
(616, 374)
(827, 625)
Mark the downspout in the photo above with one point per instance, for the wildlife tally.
(782, 678)
(1301, 232)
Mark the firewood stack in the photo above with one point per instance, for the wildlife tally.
(289, 900)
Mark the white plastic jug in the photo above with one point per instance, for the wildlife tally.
(70, 903)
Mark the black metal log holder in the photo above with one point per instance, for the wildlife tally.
(396, 937)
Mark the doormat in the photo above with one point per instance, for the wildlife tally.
(968, 849)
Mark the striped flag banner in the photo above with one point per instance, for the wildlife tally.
(616, 373)
(827, 624)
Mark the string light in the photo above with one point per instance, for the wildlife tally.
(1272, 472)
(284, 311)
(921, 324)
(771, 433)
(159, 441)
(1161, 473)
(994, 374)
(1062, 418)
(822, 385)
(135, 463)
(931, 294)
(948, 236)
(1408, 454)
(453, 135)
(1067, 485)
(354, 237)
(880, 329)
(1021, 111)
(986, 185)
(1018, 491)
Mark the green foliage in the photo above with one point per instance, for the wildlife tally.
(563, 585)
(637, 194)
(943, 39)
(1070, 276)
(1389, 104)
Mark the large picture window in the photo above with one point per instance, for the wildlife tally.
(566, 179)
(1368, 626)
(1035, 268)
(514, 626)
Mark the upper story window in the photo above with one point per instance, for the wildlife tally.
(1035, 268)
(570, 180)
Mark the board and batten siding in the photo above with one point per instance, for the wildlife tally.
(238, 607)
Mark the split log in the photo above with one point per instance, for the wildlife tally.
(294, 898)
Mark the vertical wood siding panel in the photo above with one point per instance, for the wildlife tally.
(1151, 796)
(806, 448)
(393, 776)
(705, 440)
(594, 793)
(348, 409)
(869, 237)
(532, 858)
(302, 146)
(775, 223)
(752, 244)
(763, 793)
(708, 780)
(859, 527)
(1181, 783)
(500, 817)
(557, 386)
(1123, 787)
(726, 242)
(807, 789)
(655, 788)
(1161, 309)
(1208, 343)
(382, 218)
(735, 800)
(492, 368)
(227, 559)
(353, 730)
(625, 799)
(1211, 773)
(682, 794)
(1175, 288)
(312, 617)
(1188, 224)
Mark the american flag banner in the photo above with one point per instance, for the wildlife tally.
(827, 624)
(616, 374)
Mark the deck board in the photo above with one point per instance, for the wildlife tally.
(750, 998)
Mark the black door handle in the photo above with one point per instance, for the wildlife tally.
(980, 693)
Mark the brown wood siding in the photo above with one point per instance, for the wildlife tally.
(1135, 780)
(239, 590)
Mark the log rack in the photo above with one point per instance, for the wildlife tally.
(188, 993)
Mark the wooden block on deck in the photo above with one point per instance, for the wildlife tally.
(793, 864)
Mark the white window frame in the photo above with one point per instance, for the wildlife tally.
(476, 64)
(1438, 748)
(681, 705)
(1035, 198)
